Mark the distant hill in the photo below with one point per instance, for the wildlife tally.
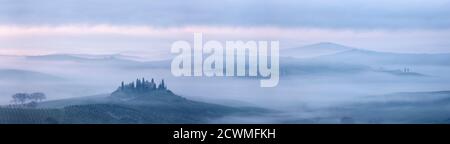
(330, 58)
(83, 57)
(315, 59)
(104, 59)
(295, 66)
(111, 56)
(368, 57)
(25, 75)
(336, 53)
(115, 61)
(314, 50)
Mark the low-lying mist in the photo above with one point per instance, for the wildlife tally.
(303, 97)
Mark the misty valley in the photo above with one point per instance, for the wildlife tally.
(319, 83)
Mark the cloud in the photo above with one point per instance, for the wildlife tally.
(156, 41)
(355, 14)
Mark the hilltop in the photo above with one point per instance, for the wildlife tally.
(141, 101)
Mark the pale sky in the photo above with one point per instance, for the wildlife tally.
(137, 27)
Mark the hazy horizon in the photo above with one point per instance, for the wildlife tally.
(339, 58)
(97, 27)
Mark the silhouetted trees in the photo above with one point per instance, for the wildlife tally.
(37, 96)
(406, 70)
(162, 86)
(22, 98)
(142, 85)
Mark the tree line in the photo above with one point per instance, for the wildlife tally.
(23, 98)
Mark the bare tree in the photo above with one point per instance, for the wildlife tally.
(37, 96)
(20, 97)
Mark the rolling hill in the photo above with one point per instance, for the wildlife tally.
(332, 58)
(137, 104)
(25, 75)
(314, 50)
(368, 57)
